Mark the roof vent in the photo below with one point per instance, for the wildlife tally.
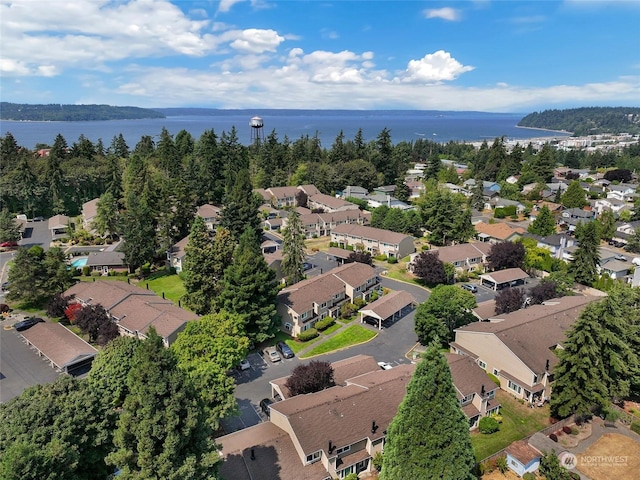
(374, 427)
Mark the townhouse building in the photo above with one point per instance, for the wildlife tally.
(373, 240)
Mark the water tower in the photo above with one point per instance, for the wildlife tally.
(257, 134)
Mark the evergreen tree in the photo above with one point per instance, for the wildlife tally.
(9, 230)
(161, 431)
(139, 232)
(107, 215)
(401, 192)
(584, 266)
(444, 218)
(241, 208)
(476, 200)
(544, 224)
(574, 196)
(249, 289)
(118, 147)
(433, 167)
(429, 436)
(378, 216)
(293, 253)
(607, 224)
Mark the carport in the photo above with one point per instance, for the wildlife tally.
(64, 350)
(340, 255)
(389, 307)
(510, 277)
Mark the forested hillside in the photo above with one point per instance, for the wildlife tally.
(72, 113)
(587, 121)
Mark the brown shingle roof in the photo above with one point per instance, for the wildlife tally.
(378, 234)
(501, 231)
(522, 452)
(139, 313)
(331, 202)
(531, 333)
(58, 344)
(354, 274)
(462, 252)
(90, 208)
(339, 252)
(107, 294)
(467, 376)
(108, 259)
(485, 310)
(389, 304)
(208, 211)
(507, 275)
(58, 222)
(282, 192)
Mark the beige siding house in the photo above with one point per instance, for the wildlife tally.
(519, 347)
(322, 224)
(301, 305)
(374, 240)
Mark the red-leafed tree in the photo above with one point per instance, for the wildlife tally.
(360, 257)
(311, 377)
(95, 322)
(429, 268)
(506, 255)
(71, 312)
(509, 300)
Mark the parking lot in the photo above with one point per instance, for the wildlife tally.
(20, 366)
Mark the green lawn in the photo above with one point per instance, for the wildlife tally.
(518, 421)
(352, 335)
(331, 329)
(170, 285)
(295, 345)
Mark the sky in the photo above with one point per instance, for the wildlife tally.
(482, 55)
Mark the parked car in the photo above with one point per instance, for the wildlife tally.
(272, 355)
(27, 323)
(621, 258)
(370, 320)
(636, 261)
(244, 364)
(9, 244)
(38, 219)
(385, 365)
(5, 286)
(264, 406)
(284, 350)
(472, 288)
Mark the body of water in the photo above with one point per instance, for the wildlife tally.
(404, 125)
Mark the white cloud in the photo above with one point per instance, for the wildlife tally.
(253, 40)
(329, 34)
(434, 68)
(225, 5)
(445, 13)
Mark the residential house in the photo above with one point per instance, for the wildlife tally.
(373, 240)
(498, 202)
(321, 224)
(416, 188)
(524, 455)
(615, 269)
(385, 190)
(353, 191)
(329, 204)
(177, 254)
(376, 200)
(134, 309)
(310, 190)
(611, 204)
(107, 261)
(301, 305)
(322, 435)
(486, 185)
(497, 232)
(562, 172)
(623, 192)
(556, 243)
(572, 216)
(465, 257)
(89, 211)
(453, 188)
(519, 347)
(475, 390)
(210, 214)
(280, 197)
(628, 228)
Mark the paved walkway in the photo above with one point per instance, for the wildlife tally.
(598, 428)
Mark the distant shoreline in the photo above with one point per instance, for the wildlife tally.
(545, 129)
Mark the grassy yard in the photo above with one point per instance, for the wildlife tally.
(398, 271)
(321, 244)
(295, 345)
(161, 282)
(352, 335)
(518, 421)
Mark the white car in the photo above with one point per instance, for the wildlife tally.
(636, 261)
(273, 355)
(385, 365)
(244, 364)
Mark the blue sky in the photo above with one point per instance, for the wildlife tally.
(484, 55)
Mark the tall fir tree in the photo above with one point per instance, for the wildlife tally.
(584, 266)
(248, 288)
(161, 431)
(544, 224)
(200, 279)
(241, 207)
(293, 253)
(574, 196)
(429, 436)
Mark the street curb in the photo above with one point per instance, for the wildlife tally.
(338, 349)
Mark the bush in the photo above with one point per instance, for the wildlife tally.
(4, 308)
(392, 260)
(324, 323)
(359, 302)
(377, 461)
(497, 417)
(308, 335)
(529, 476)
(567, 429)
(96, 273)
(635, 426)
(86, 270)
(145, 269)
(380, 258)
(501, 463)
(554, 437)
(575, 431)
(347, 310)
(488, 425)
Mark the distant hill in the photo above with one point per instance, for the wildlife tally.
(587, 121)
(72, 113)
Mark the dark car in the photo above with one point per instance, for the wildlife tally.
(5, 286)
(27, 323)
(264, 406)
(284, 350)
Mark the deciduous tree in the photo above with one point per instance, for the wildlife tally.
(310, 377)
(95, 322)
(429, 436)
(509, 300)
(429, 268)
(450, 305)
(360, 257)
(506, 255)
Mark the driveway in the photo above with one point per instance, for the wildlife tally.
(20, 367)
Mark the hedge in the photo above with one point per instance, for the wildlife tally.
(324, 323)
(308, 335)
(488, 425)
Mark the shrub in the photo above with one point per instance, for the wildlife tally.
(96, 273)
(377, 461)
(347, 310)
(380, 258)
(497, 417)
(554, 437)
(489, 466)
(488, 425)
(575, 431)
(501, 463)
(424, 247)
(4, 308)
(566, 429)
(324, 323)
(529, 476)
(308, 335)
(635, 426)
(86, 270)
(359, 302)
(145, 269)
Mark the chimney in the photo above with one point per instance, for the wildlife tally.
(253, 454)
(482, 391)
(374, 427)
(331, 448)
(546, 366)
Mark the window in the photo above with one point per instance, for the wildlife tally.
(535, 379)
(304, 315)
(314, 457)
(336, 296)
(343, 449)
(346, 471)
(515, 387)
(482, 364)
(496, 372)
